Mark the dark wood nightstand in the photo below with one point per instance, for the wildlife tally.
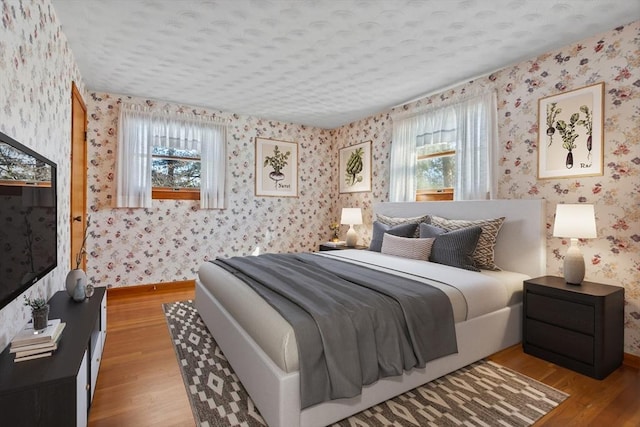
(580, 327)
(325, 247)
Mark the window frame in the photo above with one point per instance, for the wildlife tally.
(175, 193)
(444, 193)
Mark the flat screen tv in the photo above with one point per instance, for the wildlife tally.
(28, 218)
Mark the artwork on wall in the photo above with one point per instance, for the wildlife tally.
(276, 168)
(571, 133)
(355, 168)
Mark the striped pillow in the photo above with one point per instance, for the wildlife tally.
(484, 253)
(407, 247)
(380, 229)
(393, 221)
(454, 248)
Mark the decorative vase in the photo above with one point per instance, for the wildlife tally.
(89, 290)
(40, 318)
(79, 293)
(75, 277)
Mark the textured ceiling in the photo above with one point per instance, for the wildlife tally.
(320, 63)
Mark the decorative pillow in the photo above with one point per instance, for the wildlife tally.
(406, 247)
(454, 248)
(379, 229)
(484, 255)
(392, 221)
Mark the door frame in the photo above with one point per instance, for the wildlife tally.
(78, 177)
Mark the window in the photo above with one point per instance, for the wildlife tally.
(435, 166)
(169, 156)
(175, 173)
(445, 153)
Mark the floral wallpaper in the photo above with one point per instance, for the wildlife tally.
(612, 58)
(169, 241)
(36, 71)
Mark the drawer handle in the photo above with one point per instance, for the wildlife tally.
(88, 387)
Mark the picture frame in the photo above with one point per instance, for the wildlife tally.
(354, 170)
(276, 168)
(571, 133)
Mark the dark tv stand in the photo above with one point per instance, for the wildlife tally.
(57, 390)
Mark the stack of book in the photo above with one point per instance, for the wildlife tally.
(29, 344)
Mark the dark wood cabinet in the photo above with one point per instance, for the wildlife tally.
(57, 390)
(580, 327)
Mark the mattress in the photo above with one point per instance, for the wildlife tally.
(472, 294)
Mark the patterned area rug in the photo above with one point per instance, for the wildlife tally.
(481, 394)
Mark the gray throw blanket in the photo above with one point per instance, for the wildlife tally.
(353, 325)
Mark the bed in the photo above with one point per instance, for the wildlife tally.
(260, 344)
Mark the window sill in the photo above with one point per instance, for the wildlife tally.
(158, 193)
(434, 195)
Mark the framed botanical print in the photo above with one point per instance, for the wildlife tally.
(276, 168)
(571, 133)
(354, 172)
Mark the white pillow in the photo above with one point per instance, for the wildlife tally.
(407, 247)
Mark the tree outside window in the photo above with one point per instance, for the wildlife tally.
(175, 173)
(436, 171)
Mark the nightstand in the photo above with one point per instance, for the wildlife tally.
(324, 247)
(580, 327)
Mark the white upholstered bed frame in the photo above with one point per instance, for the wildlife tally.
(521, 247)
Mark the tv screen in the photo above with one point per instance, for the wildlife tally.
(28, 218)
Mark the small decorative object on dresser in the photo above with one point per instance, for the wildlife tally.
(29, 344)
(39, 312)
(578, 327)
(79, 292)
(77, 277)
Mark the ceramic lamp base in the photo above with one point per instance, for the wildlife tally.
(573, 265)
(352, 237)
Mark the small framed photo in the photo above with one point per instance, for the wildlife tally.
(276, 168)
(354, 173)
(571, 133)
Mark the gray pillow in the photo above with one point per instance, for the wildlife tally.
(453, 248)
(402, 230)
(407, 247)
(483, 257)
(393, 221)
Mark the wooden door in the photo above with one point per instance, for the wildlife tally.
(78, 208)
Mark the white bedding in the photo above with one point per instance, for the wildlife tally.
(472, 294)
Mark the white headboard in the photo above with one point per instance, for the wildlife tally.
(522, 241)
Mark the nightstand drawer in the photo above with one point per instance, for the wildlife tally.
(570, 315)
(561, 341)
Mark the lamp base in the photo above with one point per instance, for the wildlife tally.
(352, 237)
(573, 264)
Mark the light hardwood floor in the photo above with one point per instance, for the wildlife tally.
(140, 384)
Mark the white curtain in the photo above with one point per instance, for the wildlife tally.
(476, 148)
(213, 167)
(135, 130)
(140, 129)
(402, 182)
(472, 123)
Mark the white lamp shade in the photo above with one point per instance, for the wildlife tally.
(575, 221)
(351, 216)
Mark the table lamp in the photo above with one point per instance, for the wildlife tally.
(575, 222)
(351, 217)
